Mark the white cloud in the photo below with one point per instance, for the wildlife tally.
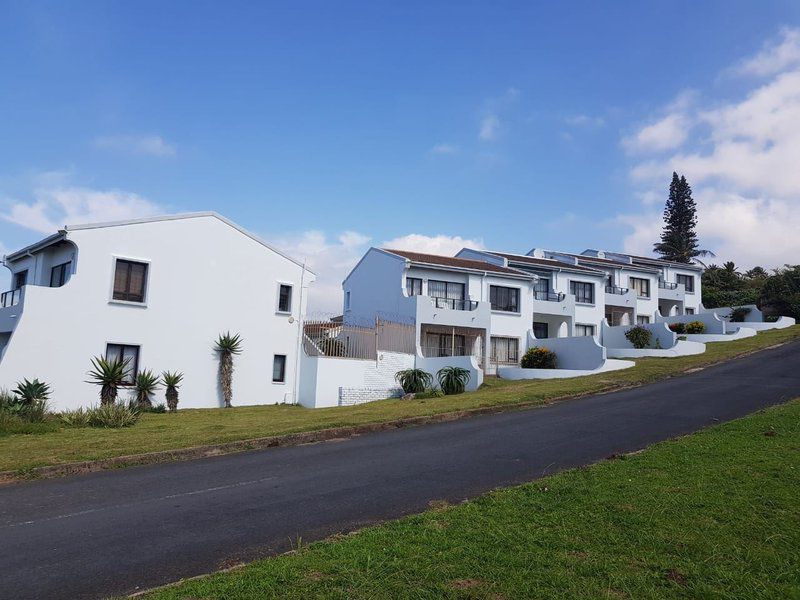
(664, 134)
(490, 126)
(54, 207)
(741, 156)
(332, 258)
(445, 245)
(775, 56)
(444, 148)
(151, 145)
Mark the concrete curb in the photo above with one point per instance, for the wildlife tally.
(309, 437)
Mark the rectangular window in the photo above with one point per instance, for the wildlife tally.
(20, 279)
(413, 286)
(689, 311)
(127, 354)
(59, 275)
(285, 298)
(347, 300)
(641, 286)
(279, 368)
(504, 298)
(505, 350)
(445, 344)
(541, 330)
(687, 281)
(642, 320)
(447, 293)
(583, 292)
(130, 280)
(584, 330)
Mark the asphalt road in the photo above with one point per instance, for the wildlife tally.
(100, 534)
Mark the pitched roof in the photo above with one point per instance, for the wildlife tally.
(661, 261)
(460, 263)
(582, 258)
(546, 263)
(55, 238)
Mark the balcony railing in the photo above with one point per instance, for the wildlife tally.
(615, 289)
(549, 296)
(666, 285)
(454, 303)
(440, 352)
(10, 298)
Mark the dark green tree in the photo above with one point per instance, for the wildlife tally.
(679, 241)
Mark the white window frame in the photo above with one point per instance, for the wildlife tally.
(592, 325)
(145, 261)
(278, 298)
(645, 320)
(347, 300)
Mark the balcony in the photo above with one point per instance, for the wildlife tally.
(549, 296)
(452, 312)
(620, 296)
(454, 303)
(11, 304)
(671, 291)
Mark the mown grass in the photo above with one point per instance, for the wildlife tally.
(712, 515)
(189, 428)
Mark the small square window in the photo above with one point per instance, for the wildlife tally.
(59, 275)
(127, 354)
(130, 280)
(285, 298)
(279, 368)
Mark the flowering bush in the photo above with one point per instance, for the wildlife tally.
(677, 327)
(695, 327)
(539, 358)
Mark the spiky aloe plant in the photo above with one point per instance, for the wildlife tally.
(146, 384)
(413, 381)
(172, 381)
(227, 346)
(29, 392)
(109, 375)
(453, 380)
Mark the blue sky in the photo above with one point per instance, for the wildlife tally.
(327, 127)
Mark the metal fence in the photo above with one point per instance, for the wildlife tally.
(334, 338)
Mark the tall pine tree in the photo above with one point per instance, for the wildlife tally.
(678, 239)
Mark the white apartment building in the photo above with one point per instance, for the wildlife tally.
(158, 292)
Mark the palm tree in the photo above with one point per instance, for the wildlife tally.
(227, 345)
(146, 384)
(109, 375)
(172, 381)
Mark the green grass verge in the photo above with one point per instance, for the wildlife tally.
(189, 428)
(712, 515)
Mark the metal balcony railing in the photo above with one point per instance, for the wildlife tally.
(666, 285)
(440, 352)
(615, 289)
(10, 298)
(549, 296)
(454, 303)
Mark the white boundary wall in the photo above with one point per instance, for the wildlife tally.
(582, 352)
(614, 337)
(516, 373)
(432, 366)
(681, 348)
(331, 381)
(714, 324)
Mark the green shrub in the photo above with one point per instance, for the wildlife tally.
(677, 327)
(539, 358)
(639, 336)
(695, 327)
(739, 314)
(75, 418)
(414, 381)
(771, 318)
(453, 380)
(112, 415)
(159, 408)
(429, 393)
(29, 392)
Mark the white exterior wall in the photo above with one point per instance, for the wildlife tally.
(588, 314)
(644, 306)
(691, 300)
(376, 286)
(204, 277)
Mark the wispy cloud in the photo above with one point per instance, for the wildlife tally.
(55, 202)
(489, 128)
(149, 145)
(740, 156)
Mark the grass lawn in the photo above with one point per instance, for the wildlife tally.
(712, 515)
(20, 452)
